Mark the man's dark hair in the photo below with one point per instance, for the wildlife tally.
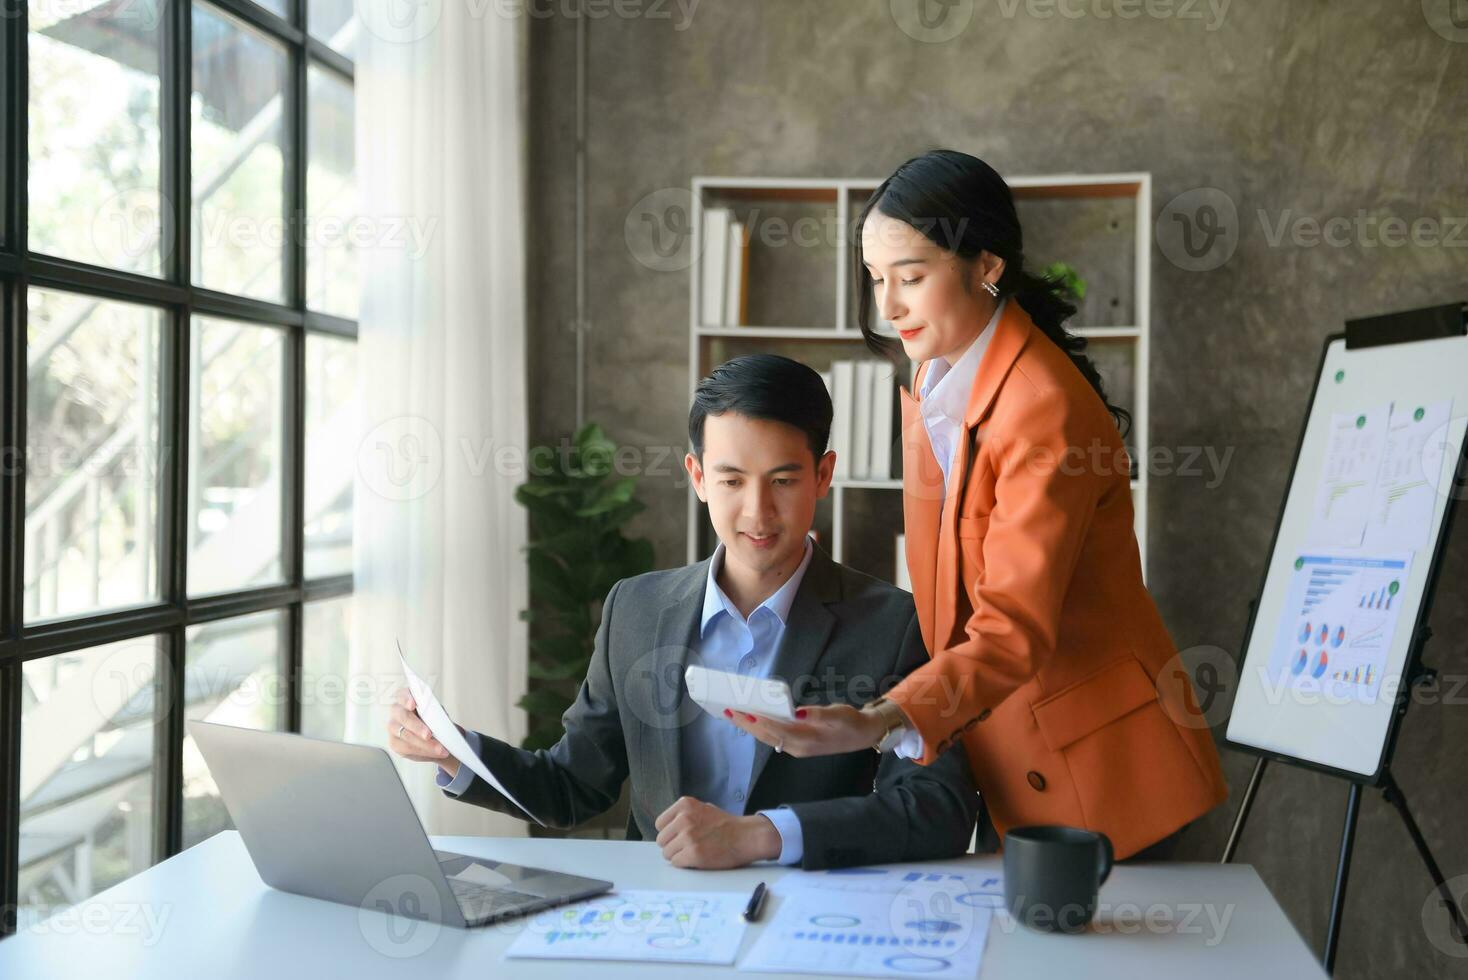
(764, 386)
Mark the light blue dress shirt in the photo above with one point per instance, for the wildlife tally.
(717, 758)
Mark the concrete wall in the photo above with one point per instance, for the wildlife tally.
(1291, 108)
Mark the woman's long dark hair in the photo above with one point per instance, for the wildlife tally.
(959, 203)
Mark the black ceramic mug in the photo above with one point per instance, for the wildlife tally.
(1052, 876)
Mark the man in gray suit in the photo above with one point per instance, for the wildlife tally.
(768, 603)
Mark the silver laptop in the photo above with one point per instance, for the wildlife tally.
(332, 820)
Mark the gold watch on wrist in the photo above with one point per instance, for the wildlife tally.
(892, 718)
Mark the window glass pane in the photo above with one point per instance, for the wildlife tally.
(279, 7)
(232, 676)
(236, 439)
(95, 148)
(92, 454)
(332, 282)
(331, 445)
(335, 22)
(86, 763)
(325, 684)
(239, 157)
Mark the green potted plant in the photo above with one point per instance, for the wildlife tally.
(1070, 281)
(578, 507)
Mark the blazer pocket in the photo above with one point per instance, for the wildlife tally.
(1093, 702)
(1132, 772)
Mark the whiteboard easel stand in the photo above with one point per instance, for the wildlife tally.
(1393, 794)
(1375, 331)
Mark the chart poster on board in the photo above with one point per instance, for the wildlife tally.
(1338, 623)
(1345, 595)
(1373, 510)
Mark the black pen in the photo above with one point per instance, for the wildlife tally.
(756, 903)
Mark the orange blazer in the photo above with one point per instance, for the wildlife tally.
(1047, 651)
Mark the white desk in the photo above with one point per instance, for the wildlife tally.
(205, 913)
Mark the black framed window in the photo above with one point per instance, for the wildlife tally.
(179, 296)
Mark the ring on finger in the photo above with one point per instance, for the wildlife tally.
(401, 729)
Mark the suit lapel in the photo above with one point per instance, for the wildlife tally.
(946, 576)
(806, 635)
(677, 632)
(1011, 334)
(922, 502)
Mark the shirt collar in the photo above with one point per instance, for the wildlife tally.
(946, 388)
(715, 601)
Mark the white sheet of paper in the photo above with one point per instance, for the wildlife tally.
(892, 923)
(889, 880)
(666, 927)
(447, 733)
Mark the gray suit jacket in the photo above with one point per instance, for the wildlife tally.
(849, 637)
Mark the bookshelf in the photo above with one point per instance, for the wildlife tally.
(796, 299)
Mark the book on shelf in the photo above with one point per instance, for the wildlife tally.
(736, 286)
(882, 385)
(829, 380)
(715, 244)
(861, 428)
(725, 270)
(863, 400)
(843, 404)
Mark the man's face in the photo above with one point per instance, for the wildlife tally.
(761, 483)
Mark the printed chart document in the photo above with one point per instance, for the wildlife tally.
(1347, 485)
(1337, 624)
(448, 735)
(879, 922)
(1408, 486)
(898, 878)
(667, 927)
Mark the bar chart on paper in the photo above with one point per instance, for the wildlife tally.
(884, 923)
(1342, 615)
(670, 927)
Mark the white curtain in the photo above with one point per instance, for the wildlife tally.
(441, 149)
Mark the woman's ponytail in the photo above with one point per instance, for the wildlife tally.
(1044, 300)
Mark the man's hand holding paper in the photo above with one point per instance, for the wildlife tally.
(445, 733)
(410, 737)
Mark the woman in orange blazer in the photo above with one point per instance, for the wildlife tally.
(1047, 651)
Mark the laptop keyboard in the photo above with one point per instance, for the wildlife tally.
(478, 902)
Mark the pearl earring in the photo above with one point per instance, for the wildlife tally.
(993, 290)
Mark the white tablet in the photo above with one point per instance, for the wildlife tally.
(715, 690)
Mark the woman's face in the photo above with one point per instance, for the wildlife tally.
(934, 298)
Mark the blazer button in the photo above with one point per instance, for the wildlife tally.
(1036, 780)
